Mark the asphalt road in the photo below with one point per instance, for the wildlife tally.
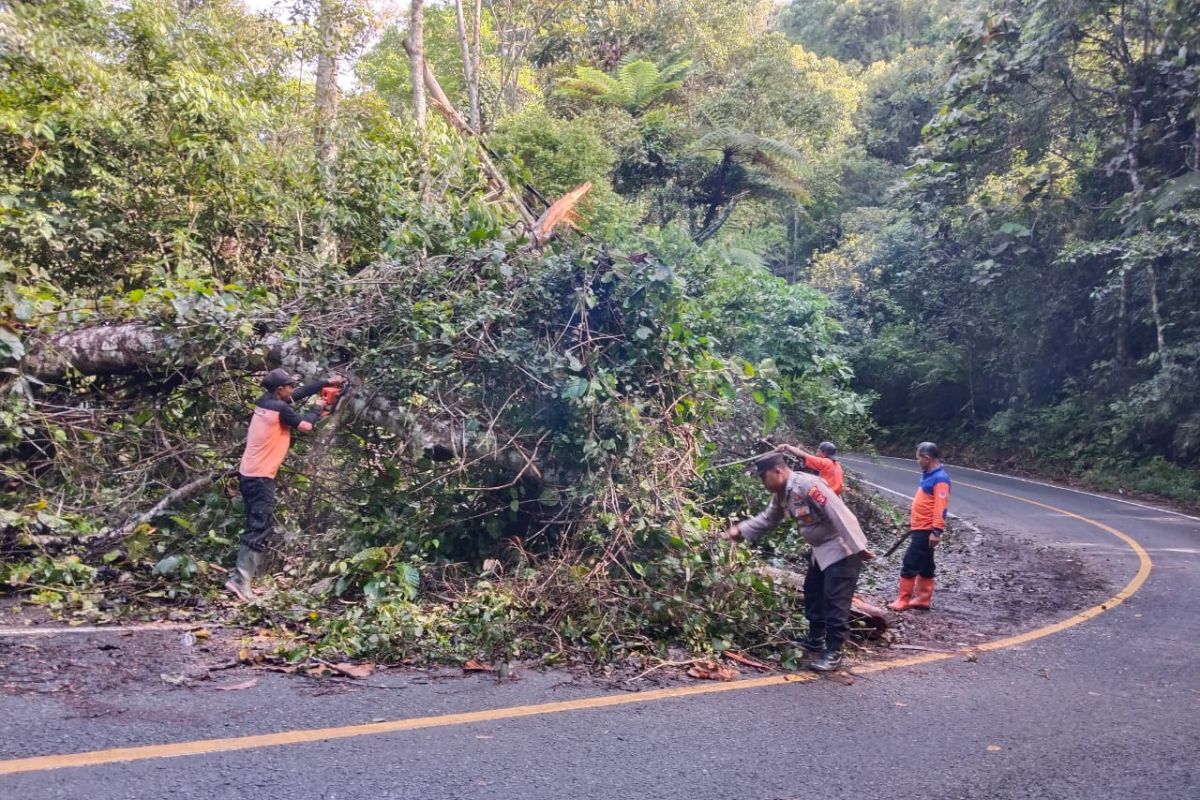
(1107, 708)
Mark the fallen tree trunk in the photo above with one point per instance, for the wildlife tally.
(138, 348)
(121, 349)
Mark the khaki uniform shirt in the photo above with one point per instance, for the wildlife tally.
(829, 527)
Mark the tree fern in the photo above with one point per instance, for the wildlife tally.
(637, 86)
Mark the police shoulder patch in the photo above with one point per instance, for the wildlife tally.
(817, 495)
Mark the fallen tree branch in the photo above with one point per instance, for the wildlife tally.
(108, 537)
(438, 99)
(185, 492)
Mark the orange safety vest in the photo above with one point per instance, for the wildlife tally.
(829, 471)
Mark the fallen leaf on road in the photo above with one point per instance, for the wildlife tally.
(712, 671)
(235, 687)
(174, 680)
(994, 748)
(202, 633)
(355, 670)
(475, 665)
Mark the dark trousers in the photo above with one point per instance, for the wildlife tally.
(259, 496)
(828, 594)
(918, 558)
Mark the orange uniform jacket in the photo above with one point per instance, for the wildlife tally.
(270, 432)
(931, 503)
(828, 470)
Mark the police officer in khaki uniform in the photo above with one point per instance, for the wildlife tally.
(838, 551)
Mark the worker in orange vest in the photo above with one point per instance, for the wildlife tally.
(927, 523)
(825, 465)
(267, 442)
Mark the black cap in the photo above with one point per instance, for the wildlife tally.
(769, 462)
(828, 448)
(278, 377)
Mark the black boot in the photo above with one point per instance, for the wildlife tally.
(830, 661)
(814, 641)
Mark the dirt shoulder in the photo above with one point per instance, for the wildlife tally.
(993, 584)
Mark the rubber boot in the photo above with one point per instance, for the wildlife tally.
(242, 577)
(904, 595)
(923, 596)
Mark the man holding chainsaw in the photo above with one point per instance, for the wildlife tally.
(927, 523)
(267, 442)
(838, 550)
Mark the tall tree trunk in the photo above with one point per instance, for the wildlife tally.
(1156, 313)
(1135, 179)
(324, 129)
(1123, 323)
(464, 44)
(716, 196)
(473, 88)
(416, 58)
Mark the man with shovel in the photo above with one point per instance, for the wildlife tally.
(838, 551)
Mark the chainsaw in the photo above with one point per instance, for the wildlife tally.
(331, 396)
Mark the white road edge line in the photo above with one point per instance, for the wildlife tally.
(162, 627)
(1046, 485)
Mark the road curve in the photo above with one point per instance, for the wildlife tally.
(1106, 708)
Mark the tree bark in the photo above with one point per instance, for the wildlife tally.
(476, 109)
(324, 129)
(468, 67)
(1133, 137)
(136, 348)
(714, 225)
(1123, 322)
(1156, 314)
(414, 45)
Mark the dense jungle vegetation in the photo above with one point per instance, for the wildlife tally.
(875, 221)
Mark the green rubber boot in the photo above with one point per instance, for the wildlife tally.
(241, 580)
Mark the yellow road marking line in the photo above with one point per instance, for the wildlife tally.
(207, 746)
